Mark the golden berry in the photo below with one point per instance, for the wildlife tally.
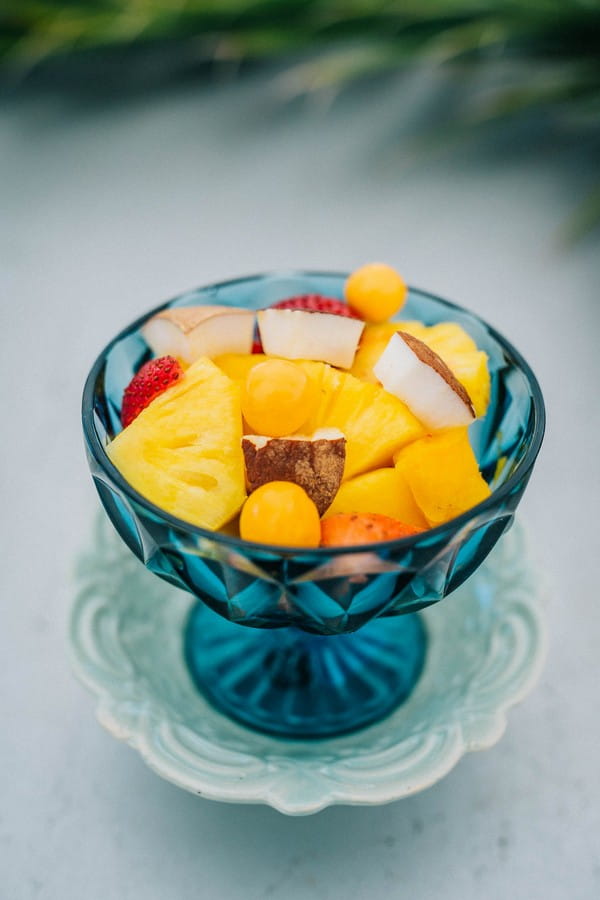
(281, 513)
(376, 292)
(277, 397)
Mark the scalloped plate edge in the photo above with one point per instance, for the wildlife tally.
(136, 720)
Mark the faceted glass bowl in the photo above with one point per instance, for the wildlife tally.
(339, 644)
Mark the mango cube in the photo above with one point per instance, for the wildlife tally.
(383, 491)
(442, 473)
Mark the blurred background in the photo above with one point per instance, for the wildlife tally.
(150, 146)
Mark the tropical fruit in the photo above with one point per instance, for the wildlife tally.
(238, 365)
(304, 334)
(375, 291)
(372, 344)
(442, 473)
(347, 416)
(277, 397)
(459, 352)
(183, 452)
(413, 372)
(375, 423)
(383, 491)
(451, 342)
(315, 463)
(348, 529)
(189, 332)
(281, 513)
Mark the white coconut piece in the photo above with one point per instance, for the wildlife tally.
(300, 334)
(189, 332)
(411, 371)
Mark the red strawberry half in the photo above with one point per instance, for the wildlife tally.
(152, 380)
(317, 303)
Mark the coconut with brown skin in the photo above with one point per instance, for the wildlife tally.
(414, 373)
(314, 463)
(188, 332)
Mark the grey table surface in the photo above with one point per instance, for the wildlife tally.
(107, 208)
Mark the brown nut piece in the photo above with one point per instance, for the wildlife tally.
(314, 463)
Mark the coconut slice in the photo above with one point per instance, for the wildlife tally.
(300, 334)
(410, 370)
(189, 332)
(314, 463)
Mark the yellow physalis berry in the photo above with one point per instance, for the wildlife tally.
(281, 513)
(376, 292)
(277, 397)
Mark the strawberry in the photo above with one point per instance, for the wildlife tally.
(345, 529)
(149, 382)
(317, 303)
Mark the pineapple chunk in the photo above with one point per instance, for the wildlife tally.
(383, 491)
(237, 365)
(443, 475)
(183, 452)
(374, 423)
(471, 369)
(447, 339)
(372, 344)
(446, 336)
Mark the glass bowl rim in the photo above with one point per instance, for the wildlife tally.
(283, 551)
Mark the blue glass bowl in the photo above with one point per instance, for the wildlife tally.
(314, 643)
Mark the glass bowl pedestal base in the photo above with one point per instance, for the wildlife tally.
(295, 684)
(485, 649)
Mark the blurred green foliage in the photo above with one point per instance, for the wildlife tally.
(552, 46)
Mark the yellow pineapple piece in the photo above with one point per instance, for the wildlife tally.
(447, 339)
(383, 491)
(446, 336)
(372, 344)
(443, 475)
(417, 329)
(375, 423)
(237, 365)
(471, 369)
(183, 452)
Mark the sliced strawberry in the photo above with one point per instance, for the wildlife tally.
(317, 303)
(152, 380)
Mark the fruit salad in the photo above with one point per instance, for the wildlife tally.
(317, 421)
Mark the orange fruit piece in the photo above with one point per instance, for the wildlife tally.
(277, 397)
(375, 291)
(443, 475)
(383, 491)
(346, 529)
(282, 513)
